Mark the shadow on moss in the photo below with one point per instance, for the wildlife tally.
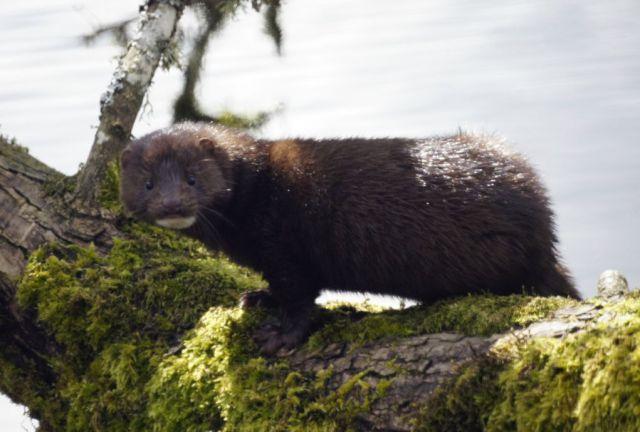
(464, 404)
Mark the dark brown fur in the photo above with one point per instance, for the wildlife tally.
(422, 219)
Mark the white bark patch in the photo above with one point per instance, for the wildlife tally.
(101, 137)
(153, 33)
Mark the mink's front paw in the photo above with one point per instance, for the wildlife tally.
(272, 339)
(260, 298)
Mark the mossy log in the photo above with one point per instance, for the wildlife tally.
(110, 325)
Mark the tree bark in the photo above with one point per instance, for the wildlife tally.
(34, 210)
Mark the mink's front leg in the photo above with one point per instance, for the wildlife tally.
(293, 329)
(259, 298)
(294, 298)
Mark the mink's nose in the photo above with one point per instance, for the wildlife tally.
(172, 206)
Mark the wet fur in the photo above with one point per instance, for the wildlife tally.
(423, 219)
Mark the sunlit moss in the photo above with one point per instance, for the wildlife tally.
(150, 284)
(111, 393)
(219, 366)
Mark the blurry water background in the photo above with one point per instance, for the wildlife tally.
(560, 79)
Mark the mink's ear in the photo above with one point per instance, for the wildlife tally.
(126, 157)
(207, 144)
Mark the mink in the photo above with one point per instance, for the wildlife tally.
(423, 219)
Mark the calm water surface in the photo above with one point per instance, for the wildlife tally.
(559, 79)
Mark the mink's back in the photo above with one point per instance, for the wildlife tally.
(422, 219)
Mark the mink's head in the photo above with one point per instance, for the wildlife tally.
(173, 176)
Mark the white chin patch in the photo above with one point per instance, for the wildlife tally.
(176, 222)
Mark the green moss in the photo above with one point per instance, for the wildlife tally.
(114, 317)
(111, 394)
(589, 381)
(109, 196)
(219, 367)
(470, 315)
(24, 384)
(149, 285)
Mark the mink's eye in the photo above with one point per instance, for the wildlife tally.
(191, 180)
(148, 185)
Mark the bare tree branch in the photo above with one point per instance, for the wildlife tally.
(121, 103)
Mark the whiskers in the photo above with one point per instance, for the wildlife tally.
(217, 215)
(137, 213)
(207, 228)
